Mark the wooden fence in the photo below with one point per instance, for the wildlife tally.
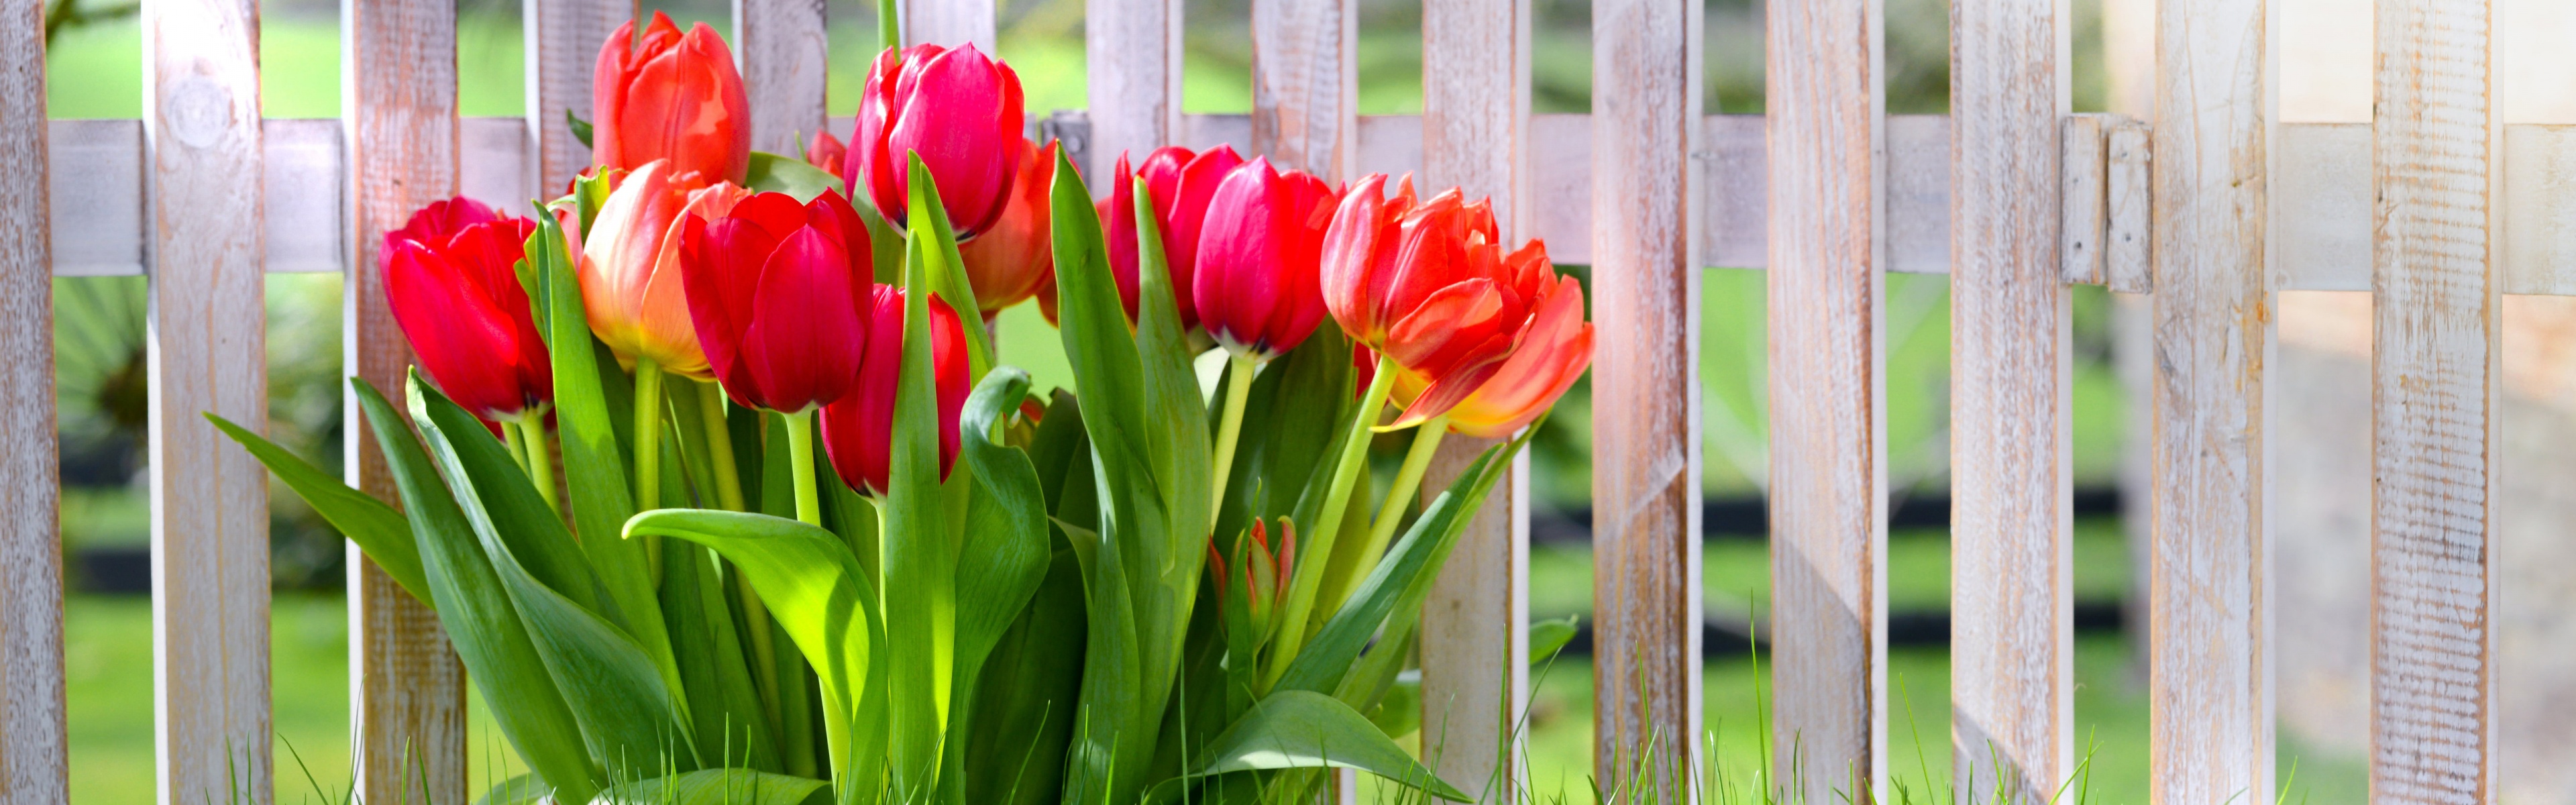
(2211, 209)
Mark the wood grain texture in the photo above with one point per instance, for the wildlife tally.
(33, 765)
(948, 22)
(2012, 624)
(205, 350)
(1132, 52)
(2211, 680)
(2083, 197)
(1646, 466)
(2539, 208)
(1475, 625)
(1828, 399)
(2434, 409)
(2128, 261)
(784, 57)
(1305, 85)
(563, 39)
(406, 686)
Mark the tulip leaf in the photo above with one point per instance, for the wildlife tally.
(481, 622)
(1297, 729)
(581, 129)
(935, 240)
(524, 789)
(1005, 553)
(1546, 638)
(919, 536)
(773, 173)
(630, 713)
(1023, 715)
(717, 787)
(377, 529)
(731, 725)
(1300, 404)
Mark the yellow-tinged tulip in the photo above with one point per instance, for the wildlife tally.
(631, 282)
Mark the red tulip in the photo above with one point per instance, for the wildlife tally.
(1182, 184)
(1255, 281)
(630, 268)
(827, 152)
(1430, 286)
(858, 431)
(675, 96)
(449, 278)
(1552, 354)
(1014, 259)
(960, 111)
(780, 293)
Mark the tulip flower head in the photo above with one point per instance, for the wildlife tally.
(1015, 258)
(858, 430)
(672, 96)
(1255, 282)
(1182, 183)
(1552, 353)
(630, 272)
(780, 294)
(1429, 285)
(827, 152)
(956, 108)
(450, 280)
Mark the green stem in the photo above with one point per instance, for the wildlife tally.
(1238, 390)
(889, 31)
(1399, 497)
(648, 435)
(510, 440)
(541, 465)
(800, 463)
(1328, 523)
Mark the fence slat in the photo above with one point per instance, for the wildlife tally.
(33, 766)
(948, 22)
(206, 351)
(406, 686)
(1475, 625)
(1828, 399)
(2085, 199)
(1132, 52)
(2012, 634)
(2433, 370)
(2127, 262)
(1304, 85)
(785, 58)
(563, 38)
(2210, 682)
(1646, 470)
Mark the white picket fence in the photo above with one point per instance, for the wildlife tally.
(2434, 206)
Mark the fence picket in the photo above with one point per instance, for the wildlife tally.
(2210, 682)
(206, 349)
(2434, 367)
(1475, 625)
(785, 57)
(1132, 49)
(2012, 609)
(406, 685)
(1646, 470)
(1305, 85)
(948, 23)
(563, 38)
(33, 765)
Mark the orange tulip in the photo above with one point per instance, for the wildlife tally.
(675, 96)
(1429, 286)
(1014, 258)
(1553, 352)
(631, 283)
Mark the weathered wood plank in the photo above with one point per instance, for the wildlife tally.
(2211, 679)
(33, 765)
(1132, 51)
(784, 55)
(1305, 85)
(206, 352)
(2128, 234)
(563, 39)
(948, 22)
(1475, 625)
(1646, 474)
(2433, 369)
(406, 686)
(2012, 606)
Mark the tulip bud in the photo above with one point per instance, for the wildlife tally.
(450, 280)
(956, 108)
(1250, 591)
(1429, 286)
(1011, 261)
(673, 96)
(858, 430)
(780, 294)
(827, 152)
(630, 271)
(1181, 183)
(1255, 282)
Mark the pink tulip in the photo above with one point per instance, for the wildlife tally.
(1255, 282)
(1182, 184)
(956, 108)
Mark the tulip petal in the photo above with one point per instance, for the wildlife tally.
(803, 344)
(463, 340)
(1552, 354)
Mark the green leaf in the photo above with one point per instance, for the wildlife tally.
(580, 128)
(774, 173)
(475, 608)
(936, 243)
(1277, 462)
(1298, 729)
(1399, 712)
(1024, 707)
(377, 529)
(731, 724)
(1546, 638)
(920, 544)
(717, 787)
(524, 789)
(1004, 557)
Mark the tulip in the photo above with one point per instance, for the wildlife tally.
(1552, 354)
(1255, 282)
(956, 108)
(675, 96)
(1249, 592)
(450, 280)
(780, 294)
(1429, 287)
(827, 152)
(858, 430)
(1182, 184)
(1014, 259)
(630, 271)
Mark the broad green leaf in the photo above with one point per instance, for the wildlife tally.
(920, 542)
(1025, 701)
(776, 173)
(717, 787)
(1399, 712)
(731, 724)
(1298, 729)
(524, 789)
(475, 608)
(1546, 638)
(1292, 421)
(377, 529)
(1004, 557)
(945, 271)
(1058, 445)
(497, 498)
